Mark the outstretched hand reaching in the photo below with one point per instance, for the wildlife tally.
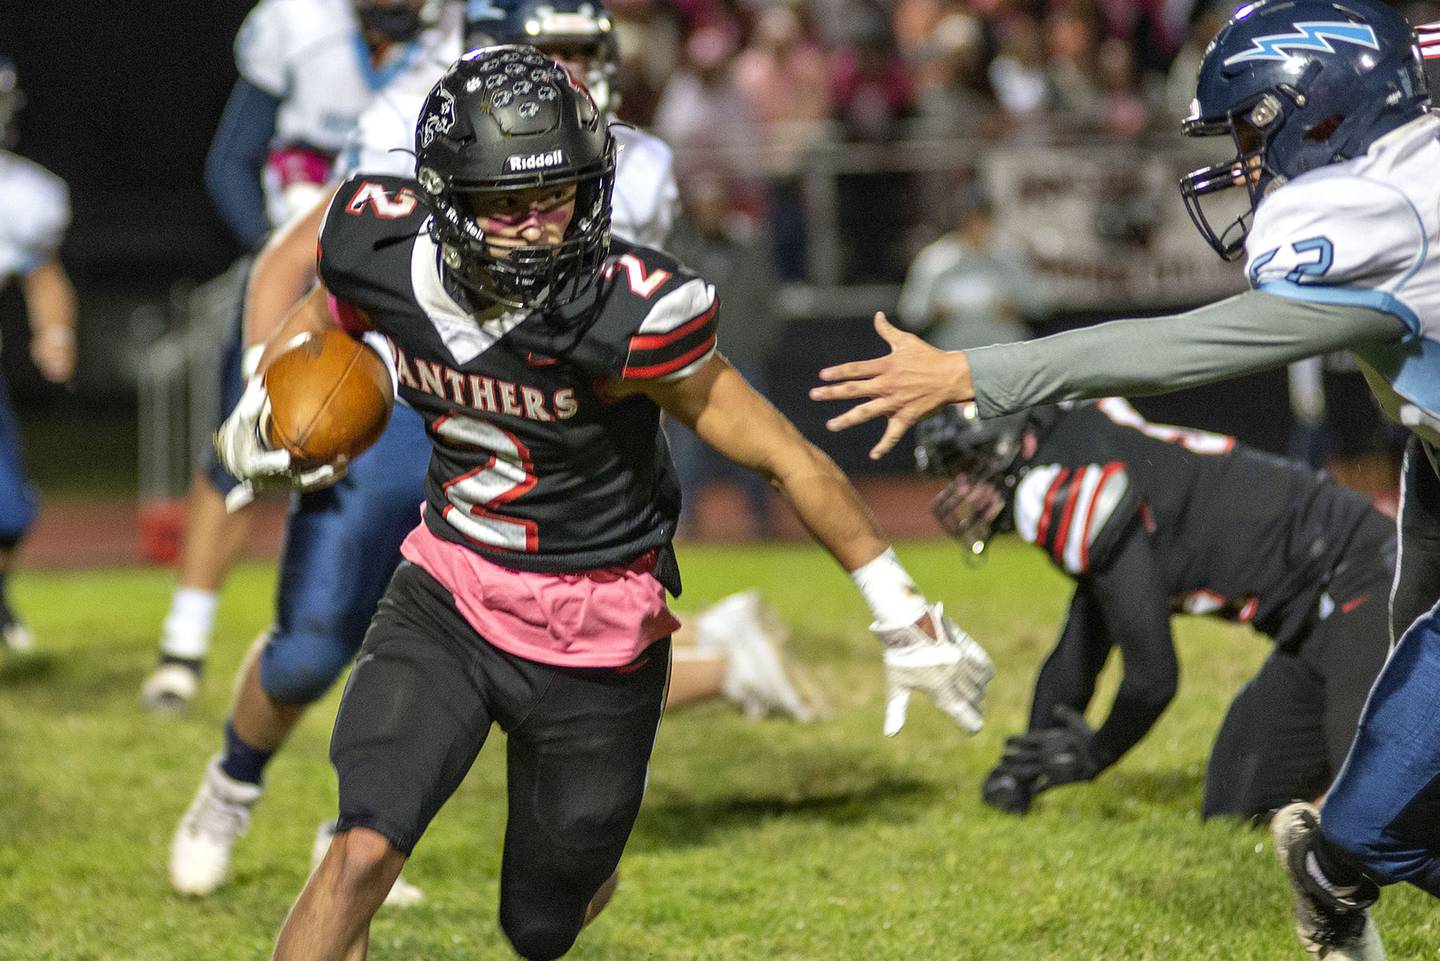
(904, 386)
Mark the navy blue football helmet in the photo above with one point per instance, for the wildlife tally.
(563, 29)
(1298, 84)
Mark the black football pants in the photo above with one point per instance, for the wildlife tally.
(1287, 732)
(416, 711)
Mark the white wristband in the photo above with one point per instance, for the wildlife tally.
(894, 599)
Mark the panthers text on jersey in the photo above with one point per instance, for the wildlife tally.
(37, 211)
(534, 466)
(1366, 232)
(310, 55)
(642, 208)
(1241, 534)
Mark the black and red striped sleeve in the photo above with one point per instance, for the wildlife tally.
(1076, 514)
(677, 336)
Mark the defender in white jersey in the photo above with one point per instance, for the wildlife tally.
(307, 70)
(37, 211)
(1326, 103)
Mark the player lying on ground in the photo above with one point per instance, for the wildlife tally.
(1327, 107)
(533, 591)
(1150, 521)
(343, 542)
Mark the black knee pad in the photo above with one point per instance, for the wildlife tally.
(536, 938)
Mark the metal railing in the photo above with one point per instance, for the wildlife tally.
(178, 383)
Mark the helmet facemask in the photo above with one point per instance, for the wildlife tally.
(540, 277)
(506, 120)
(983, 473)
(1251, 129)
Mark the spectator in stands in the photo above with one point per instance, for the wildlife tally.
(1071, 39)
(965, 290)
(1018, 75)
(782, 73)
(651, 38)
(1123, 110)
(703, 113)
(732, 251)
(953, 96)
(873, 94)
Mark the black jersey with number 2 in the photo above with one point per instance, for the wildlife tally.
(534, 465)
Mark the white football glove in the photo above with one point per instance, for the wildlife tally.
(953, 671)
(241, 447)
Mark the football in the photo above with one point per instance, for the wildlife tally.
(330, 396)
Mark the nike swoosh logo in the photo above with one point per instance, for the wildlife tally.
(534, 361)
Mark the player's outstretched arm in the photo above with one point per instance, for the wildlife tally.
(1250, 332)
(924, 650)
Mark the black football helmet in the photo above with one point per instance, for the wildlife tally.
(984, 460)
(557, 28)
(11, 100)
(509, 118)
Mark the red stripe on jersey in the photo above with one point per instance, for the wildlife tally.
(1062, 535)
(350, 318)
(1109, 471)
(670, 366)
(654, 341)
(1429, 37)
(1247, 613)
(1044, 526)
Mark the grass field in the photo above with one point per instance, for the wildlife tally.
(762, 840)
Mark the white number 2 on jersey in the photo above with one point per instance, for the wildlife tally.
(473, 495)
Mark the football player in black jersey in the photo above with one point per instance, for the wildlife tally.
(1150, 521)
(533, 593)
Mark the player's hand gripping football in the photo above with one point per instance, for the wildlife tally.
(950, 668)
(241, 445)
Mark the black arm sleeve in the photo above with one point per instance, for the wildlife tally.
(1068, 675)
(237, 156)
(1130, 596)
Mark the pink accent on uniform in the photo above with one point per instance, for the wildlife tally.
(299, 165)
(349, 317)
(599, 618)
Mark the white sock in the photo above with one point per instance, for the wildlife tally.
(189, 624)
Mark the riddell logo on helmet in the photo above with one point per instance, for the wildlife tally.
(536, 161)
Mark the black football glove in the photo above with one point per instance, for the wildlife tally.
(1055, 755)
(1006, 791)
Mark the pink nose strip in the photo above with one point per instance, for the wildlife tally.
(542, 217)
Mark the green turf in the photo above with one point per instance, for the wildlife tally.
(762, 840)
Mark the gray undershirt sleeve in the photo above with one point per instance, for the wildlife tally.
(1244, 334)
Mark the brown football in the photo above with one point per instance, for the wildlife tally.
(330, 396)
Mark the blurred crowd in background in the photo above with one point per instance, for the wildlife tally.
(981, 169)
